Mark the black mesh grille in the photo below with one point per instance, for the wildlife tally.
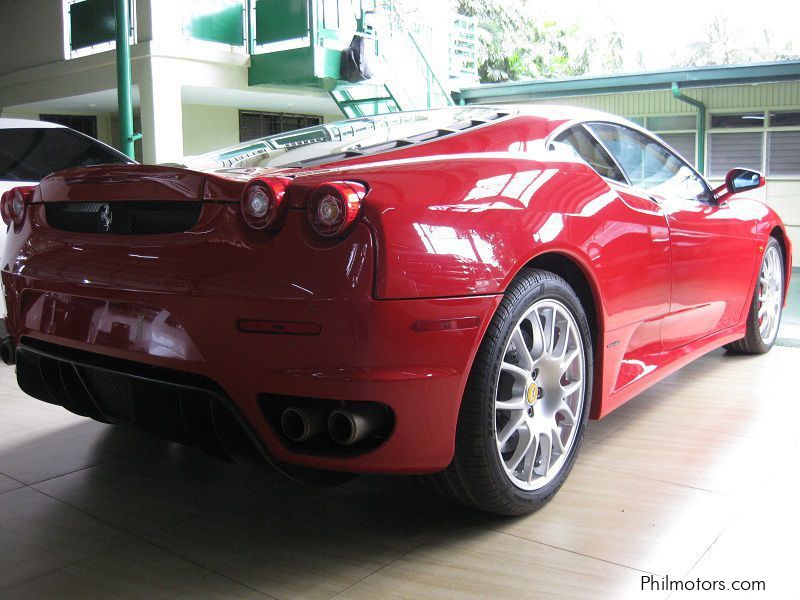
(114, 390)
(177, 406)
(126, 218)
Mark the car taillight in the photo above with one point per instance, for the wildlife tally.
(334, 207)
(14, 203)
(262, 202)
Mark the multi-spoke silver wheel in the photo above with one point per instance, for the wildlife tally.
(526, 402)
(770, 295)
(540, 395)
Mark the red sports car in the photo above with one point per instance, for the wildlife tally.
(448, 293)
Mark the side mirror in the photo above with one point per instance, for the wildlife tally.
(739, 180)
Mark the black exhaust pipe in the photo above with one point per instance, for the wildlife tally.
(300, 425)
(347, 427)
(8, 351)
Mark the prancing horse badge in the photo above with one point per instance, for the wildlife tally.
(105, 217)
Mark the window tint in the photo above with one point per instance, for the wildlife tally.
(86, 124)
(648, 164)
(784, 119)
(591, 151)
(32, 154)
(253, 125)
(741, 120)
(672, 123)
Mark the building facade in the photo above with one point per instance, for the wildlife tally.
(211, 73)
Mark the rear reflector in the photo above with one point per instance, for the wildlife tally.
(279, 327)
(446, 324)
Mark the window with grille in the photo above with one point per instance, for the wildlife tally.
(90, 26)
(729, 150)
(84, 123)
(678, 131)
(783, 153)
(772, 144)
(684, 144)
(255, 124)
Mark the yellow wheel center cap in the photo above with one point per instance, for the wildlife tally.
(532, 393)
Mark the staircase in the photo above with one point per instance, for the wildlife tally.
(364, 99)
(403, 77)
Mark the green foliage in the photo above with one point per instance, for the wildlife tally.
(727, 44)
(515, 44)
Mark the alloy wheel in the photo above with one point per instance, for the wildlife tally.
(540, 394)
(770, 295)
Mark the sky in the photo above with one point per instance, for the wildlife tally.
(660, 31)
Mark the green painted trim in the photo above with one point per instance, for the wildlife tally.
(124, 102)
(701, 124)
(634, 82)
(300, 66)
(250, 21)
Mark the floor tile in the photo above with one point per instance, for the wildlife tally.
(764, 411)
(39, 534)
(300, 541)
(707, 459)
(7, 484)
(489, 564)
(647, 525)
(137, 570)
(53, 449)
(142, 495)
(761, 543)
(19, 411)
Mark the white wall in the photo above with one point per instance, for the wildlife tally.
(31, 34)
(784, 197)
(207, 128)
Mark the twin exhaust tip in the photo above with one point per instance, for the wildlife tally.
(345, 427)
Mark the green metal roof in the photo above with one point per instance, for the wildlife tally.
(633, 82)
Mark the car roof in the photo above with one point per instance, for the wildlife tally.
(27, 124)
(557, 113)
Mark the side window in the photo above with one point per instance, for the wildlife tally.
(648, 164)
(590, 150)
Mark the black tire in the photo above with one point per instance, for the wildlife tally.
(475, 476)
(752, 342)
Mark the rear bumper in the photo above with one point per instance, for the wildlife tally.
(175, 302)
(366, 350)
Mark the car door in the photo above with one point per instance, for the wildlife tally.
(711, 244)
(634, 228)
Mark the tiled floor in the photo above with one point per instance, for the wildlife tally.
(696, 478)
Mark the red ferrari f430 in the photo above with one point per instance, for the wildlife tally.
(447, 293)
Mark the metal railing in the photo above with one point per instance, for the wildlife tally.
(411, 76)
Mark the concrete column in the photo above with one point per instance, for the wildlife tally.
(161, 111)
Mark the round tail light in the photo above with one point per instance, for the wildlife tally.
(333, 208)
(14, 203)
(262, 200)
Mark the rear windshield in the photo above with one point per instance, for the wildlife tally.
(32, 154)
(347, 139)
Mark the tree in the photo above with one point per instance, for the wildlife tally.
(515, 44)
(726, 44)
